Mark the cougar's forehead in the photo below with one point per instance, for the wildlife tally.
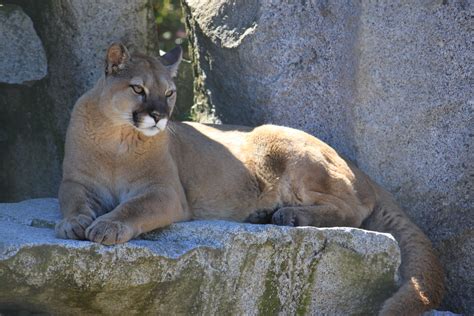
(137, 80)
(150, 72)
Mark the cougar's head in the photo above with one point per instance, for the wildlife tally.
(139, 89)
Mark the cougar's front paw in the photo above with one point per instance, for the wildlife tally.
(73, 227)
(109, 232)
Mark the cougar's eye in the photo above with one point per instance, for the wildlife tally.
(169, 93)
(137, 89)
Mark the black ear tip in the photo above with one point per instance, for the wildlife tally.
(173, 56)
(177, 50)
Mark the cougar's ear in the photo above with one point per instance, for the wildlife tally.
(116, 57)
(172, 59)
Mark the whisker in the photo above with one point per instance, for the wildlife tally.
(171, 129)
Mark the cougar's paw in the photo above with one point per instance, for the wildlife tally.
(285, 217)
(291, 216)
(73, 227)
(109, 232)
(260, 217)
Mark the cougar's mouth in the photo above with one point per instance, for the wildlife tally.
(149, 124)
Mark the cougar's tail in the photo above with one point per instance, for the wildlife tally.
(422, 275)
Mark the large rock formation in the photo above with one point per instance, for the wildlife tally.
(388, 84)
(204, 268)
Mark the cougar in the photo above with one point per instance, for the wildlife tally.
(128, 169)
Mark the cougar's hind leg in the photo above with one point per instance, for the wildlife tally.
(324, 199)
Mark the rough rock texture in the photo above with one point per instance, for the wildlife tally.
(388, 84)
(204, 268)
(33, 120)
(22, 56)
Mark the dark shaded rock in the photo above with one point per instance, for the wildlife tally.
(184, 87)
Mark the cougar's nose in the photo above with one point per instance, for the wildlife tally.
(156, 115)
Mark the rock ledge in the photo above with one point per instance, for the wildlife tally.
(206, 268)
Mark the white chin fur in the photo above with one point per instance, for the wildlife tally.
(162, 124)
(155, 129)
(147, 122)
(151, 131)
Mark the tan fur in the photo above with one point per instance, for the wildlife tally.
(118, 183)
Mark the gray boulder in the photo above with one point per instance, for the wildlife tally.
(205, 268)
(386, 83)
(22, 56)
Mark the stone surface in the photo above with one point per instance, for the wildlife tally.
(33, 120)
(205, 268)
(22, 56)
(388, 84)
